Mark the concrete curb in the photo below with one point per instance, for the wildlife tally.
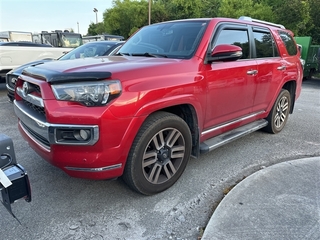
(279, 202)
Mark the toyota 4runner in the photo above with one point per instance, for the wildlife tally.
(176, 89)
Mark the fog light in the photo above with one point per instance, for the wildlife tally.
(82, 134)
(74, 134)
(85, 134)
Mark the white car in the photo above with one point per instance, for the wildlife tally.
(90, 49)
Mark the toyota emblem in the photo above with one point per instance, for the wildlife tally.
(25, 88)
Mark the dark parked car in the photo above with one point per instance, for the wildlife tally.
(90, 49)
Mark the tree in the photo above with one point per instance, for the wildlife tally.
(236, 9)
(297, 17)
(159, 13)
(293, 14)
(181, 9)
(315, 19)
(210, 8)
(96, 28)
(126, 17)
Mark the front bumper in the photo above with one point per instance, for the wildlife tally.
(83, 159)
(46, 134)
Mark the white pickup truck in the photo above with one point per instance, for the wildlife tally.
(15, 54)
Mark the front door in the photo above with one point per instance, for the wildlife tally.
(231, 85)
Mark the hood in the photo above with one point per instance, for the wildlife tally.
(95, 68)
(18, 70)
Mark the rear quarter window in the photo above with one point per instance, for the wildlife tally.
(288, 41)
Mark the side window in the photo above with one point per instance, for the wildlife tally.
(289, 43)
(265, 45)
(235, 37)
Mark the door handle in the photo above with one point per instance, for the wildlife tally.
(252, 72)
(281, 68)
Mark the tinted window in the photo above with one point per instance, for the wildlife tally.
(92, 49)
(265, 46)
(289, 43)
(235, 37)
(171, 39)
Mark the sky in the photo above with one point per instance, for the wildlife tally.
(49, 15)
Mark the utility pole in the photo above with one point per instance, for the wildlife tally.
(149, 12)
(78, 27)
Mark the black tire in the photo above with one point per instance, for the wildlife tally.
(279, 114)
(159, 154)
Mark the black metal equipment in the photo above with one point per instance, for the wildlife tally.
(14, 181)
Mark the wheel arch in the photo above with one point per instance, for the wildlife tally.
(188, 113)
(291, 86)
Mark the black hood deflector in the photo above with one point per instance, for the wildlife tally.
(55, 77)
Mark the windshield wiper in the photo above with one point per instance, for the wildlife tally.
(124, 54)
(146, 54)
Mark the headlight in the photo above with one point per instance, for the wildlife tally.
(88, 93)
(11, 80)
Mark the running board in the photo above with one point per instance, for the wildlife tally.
(234, 134)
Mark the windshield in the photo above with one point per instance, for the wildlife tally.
(92, 49)
(74, 40)
(171, 39)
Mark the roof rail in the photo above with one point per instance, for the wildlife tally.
(245, 18)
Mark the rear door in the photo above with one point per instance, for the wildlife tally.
(270, 68)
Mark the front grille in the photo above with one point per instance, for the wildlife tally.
(31, 97)
(36, 136)
(35, 107)
(37, 89)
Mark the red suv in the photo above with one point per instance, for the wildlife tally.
(176, 89)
